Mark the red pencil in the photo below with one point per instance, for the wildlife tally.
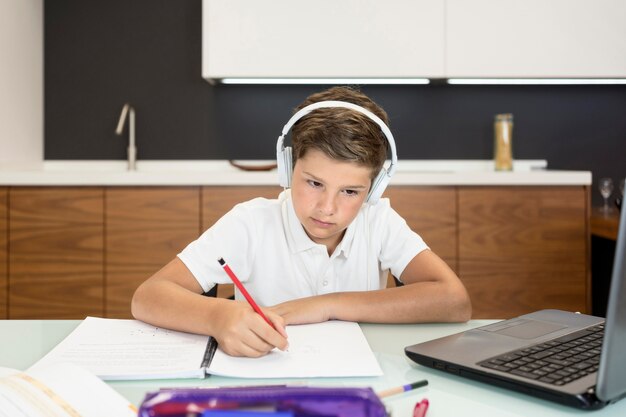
(242, 289)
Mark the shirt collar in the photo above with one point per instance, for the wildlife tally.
(297, 239)
(346, 243)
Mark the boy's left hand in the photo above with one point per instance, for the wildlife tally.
(306, 310)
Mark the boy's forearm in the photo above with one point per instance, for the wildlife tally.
(415, 303)
(166, 304)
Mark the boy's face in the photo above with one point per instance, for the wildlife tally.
(327, 195)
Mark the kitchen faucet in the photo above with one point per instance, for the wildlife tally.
(132, 149)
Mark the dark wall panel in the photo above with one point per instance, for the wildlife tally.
(101, 54)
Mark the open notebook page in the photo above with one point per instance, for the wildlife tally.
(329, 349)
(60, 390)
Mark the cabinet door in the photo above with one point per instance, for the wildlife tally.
(3, 251)
(324, 38)
(145, 229)
(524, 248)
(431, 213)
(217, 201)
(535, 38)
(56, 252)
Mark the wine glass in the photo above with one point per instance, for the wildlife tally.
(606, 189)
(619, 201)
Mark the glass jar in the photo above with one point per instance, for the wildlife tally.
(503, 137)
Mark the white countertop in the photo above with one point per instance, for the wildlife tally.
(220, 172)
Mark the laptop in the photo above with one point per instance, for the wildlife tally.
(569, 358)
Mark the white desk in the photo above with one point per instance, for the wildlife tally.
(23, 342)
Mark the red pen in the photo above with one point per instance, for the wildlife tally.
(242, 289)
(420, 408)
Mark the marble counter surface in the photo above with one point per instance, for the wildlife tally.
(221, 172)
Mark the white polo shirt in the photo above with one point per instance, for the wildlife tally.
(268, 249)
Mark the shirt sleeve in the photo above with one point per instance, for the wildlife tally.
(229, 238)
(399, 244)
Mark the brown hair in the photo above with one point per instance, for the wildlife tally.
(340, 133)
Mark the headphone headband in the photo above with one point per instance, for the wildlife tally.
(284, 156)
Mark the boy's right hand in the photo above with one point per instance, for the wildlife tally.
(240, 331)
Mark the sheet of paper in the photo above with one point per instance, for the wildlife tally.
(328, 349)
(130, 349)
(61, 390)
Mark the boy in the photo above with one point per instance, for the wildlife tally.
(318, 252)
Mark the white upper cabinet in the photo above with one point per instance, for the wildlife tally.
(323, 38)
(414, 38)
(536, 38)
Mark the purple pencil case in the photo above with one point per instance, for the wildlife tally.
(280, 400)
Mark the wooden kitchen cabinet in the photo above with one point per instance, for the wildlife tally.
(217, 201)
(56, 252)
(68, 252)
(431, 213)
(524, 248)
(146, 227)
(3, 251)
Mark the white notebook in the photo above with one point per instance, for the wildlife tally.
(60, 390)
(115, 349)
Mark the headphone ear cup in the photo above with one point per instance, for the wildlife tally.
(284, 163)
(379, 185)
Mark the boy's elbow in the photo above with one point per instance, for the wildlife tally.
(456, 306)
(462, 307)
(136, 303)
(465, 311)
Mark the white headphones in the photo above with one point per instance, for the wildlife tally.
(284, 157)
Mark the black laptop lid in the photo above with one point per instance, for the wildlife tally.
(612, 372)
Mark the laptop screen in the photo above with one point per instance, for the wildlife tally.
(612, 372)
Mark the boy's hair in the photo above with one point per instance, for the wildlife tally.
(340, 133)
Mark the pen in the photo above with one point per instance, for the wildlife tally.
(242, 289)
(403, 388)
(420, 408)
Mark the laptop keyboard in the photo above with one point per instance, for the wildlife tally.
(558, 362)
